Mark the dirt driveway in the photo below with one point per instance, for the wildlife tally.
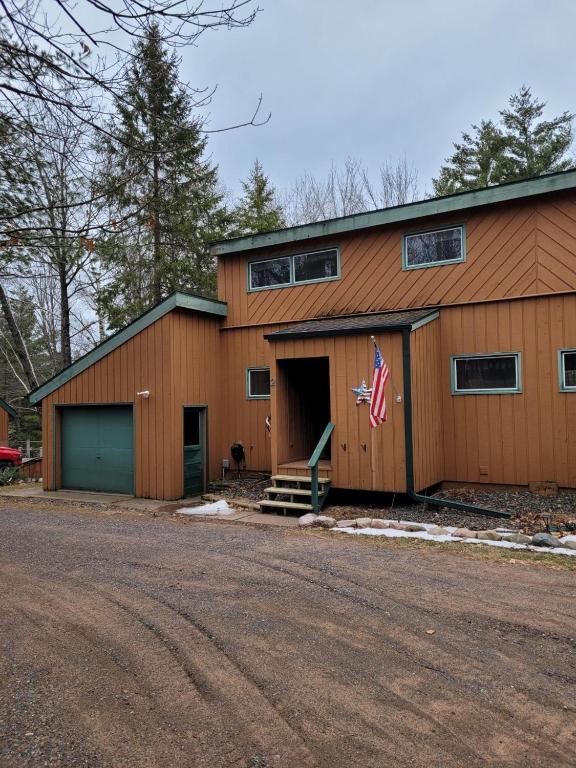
(151, 643)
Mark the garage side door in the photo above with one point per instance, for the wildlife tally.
(98, 448)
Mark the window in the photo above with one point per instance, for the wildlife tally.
(321, 265)
(270, 273)
(258, 383)
(567, 370)
(292, 270)
(486, 374)
(428, 249)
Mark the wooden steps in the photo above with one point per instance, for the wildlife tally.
(293, 493)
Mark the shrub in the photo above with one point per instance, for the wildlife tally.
(9, 475)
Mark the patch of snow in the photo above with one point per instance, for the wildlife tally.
(392, 533)
(216, 508)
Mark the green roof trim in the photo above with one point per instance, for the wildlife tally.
(450, 204)
(8, 408)
(177, 300)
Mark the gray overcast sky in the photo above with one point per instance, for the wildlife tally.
(376, 79)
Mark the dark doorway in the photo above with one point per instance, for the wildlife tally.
(303, 406)
(194, 450)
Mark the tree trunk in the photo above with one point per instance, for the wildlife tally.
(17, 340)
(157, 284)
(65, 346)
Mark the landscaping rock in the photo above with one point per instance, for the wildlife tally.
(465, 533)
(568, 544)
(363, 522)
(545, 540)
(489, 536)
(323, 521)
(378, 523)
(518, 538)
(307, 521)
(438, 530)
(414, 527)
(346, 524)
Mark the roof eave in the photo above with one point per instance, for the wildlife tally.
(450, 204)
(8, 408)
(360, 331)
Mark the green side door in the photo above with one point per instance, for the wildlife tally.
(98, 448)
(194, 440)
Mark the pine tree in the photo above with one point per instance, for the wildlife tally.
(258, 209)
(534, 146)
(477, 161)
(163, 194)
(520, 146)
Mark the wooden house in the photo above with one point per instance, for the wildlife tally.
(471, 299)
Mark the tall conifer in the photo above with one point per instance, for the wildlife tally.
(163, 192)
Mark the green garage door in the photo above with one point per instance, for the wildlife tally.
(98, 448)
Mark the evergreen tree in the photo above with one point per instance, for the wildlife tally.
(521, 146)
(477, 161)
(534, 146)
(163, 194)
(258, 209)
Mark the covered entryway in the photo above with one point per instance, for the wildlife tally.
(97, 448)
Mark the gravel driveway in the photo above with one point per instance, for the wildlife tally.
(208, 644)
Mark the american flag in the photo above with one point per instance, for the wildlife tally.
(378, 402)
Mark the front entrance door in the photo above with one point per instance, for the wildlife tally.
(194, 450)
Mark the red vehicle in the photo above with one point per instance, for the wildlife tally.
(10, 457)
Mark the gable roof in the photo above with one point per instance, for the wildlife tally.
(356, 324)
(177, 300)
(460, 201)
(8, 408)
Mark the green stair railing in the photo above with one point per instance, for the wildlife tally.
(313, 466)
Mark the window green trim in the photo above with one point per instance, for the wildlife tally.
(293, 282)
(459, 260)
(502, 391)
(562, 372)
(249, 395)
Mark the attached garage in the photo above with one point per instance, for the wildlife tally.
(98, 448)
(132, 415)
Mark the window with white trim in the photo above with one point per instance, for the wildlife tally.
(433, 248)
(567, 369)
(298, 268)
(258, 383)
(497, 373)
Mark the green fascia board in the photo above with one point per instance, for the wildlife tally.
(8, 408)
(177, 300)
(450, 204)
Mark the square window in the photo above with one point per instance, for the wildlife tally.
(428, 249)
(258, 383)
(568, 370)
(486, 374)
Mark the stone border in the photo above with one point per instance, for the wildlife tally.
(499, 537)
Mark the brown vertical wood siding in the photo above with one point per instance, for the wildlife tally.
(513, 249)
(3, 427)
(176, 359)
(362, 458)
(511, 438)
(426, 369)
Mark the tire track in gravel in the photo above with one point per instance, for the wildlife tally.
(402, 647)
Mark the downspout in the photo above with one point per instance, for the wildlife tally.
(409, 438)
